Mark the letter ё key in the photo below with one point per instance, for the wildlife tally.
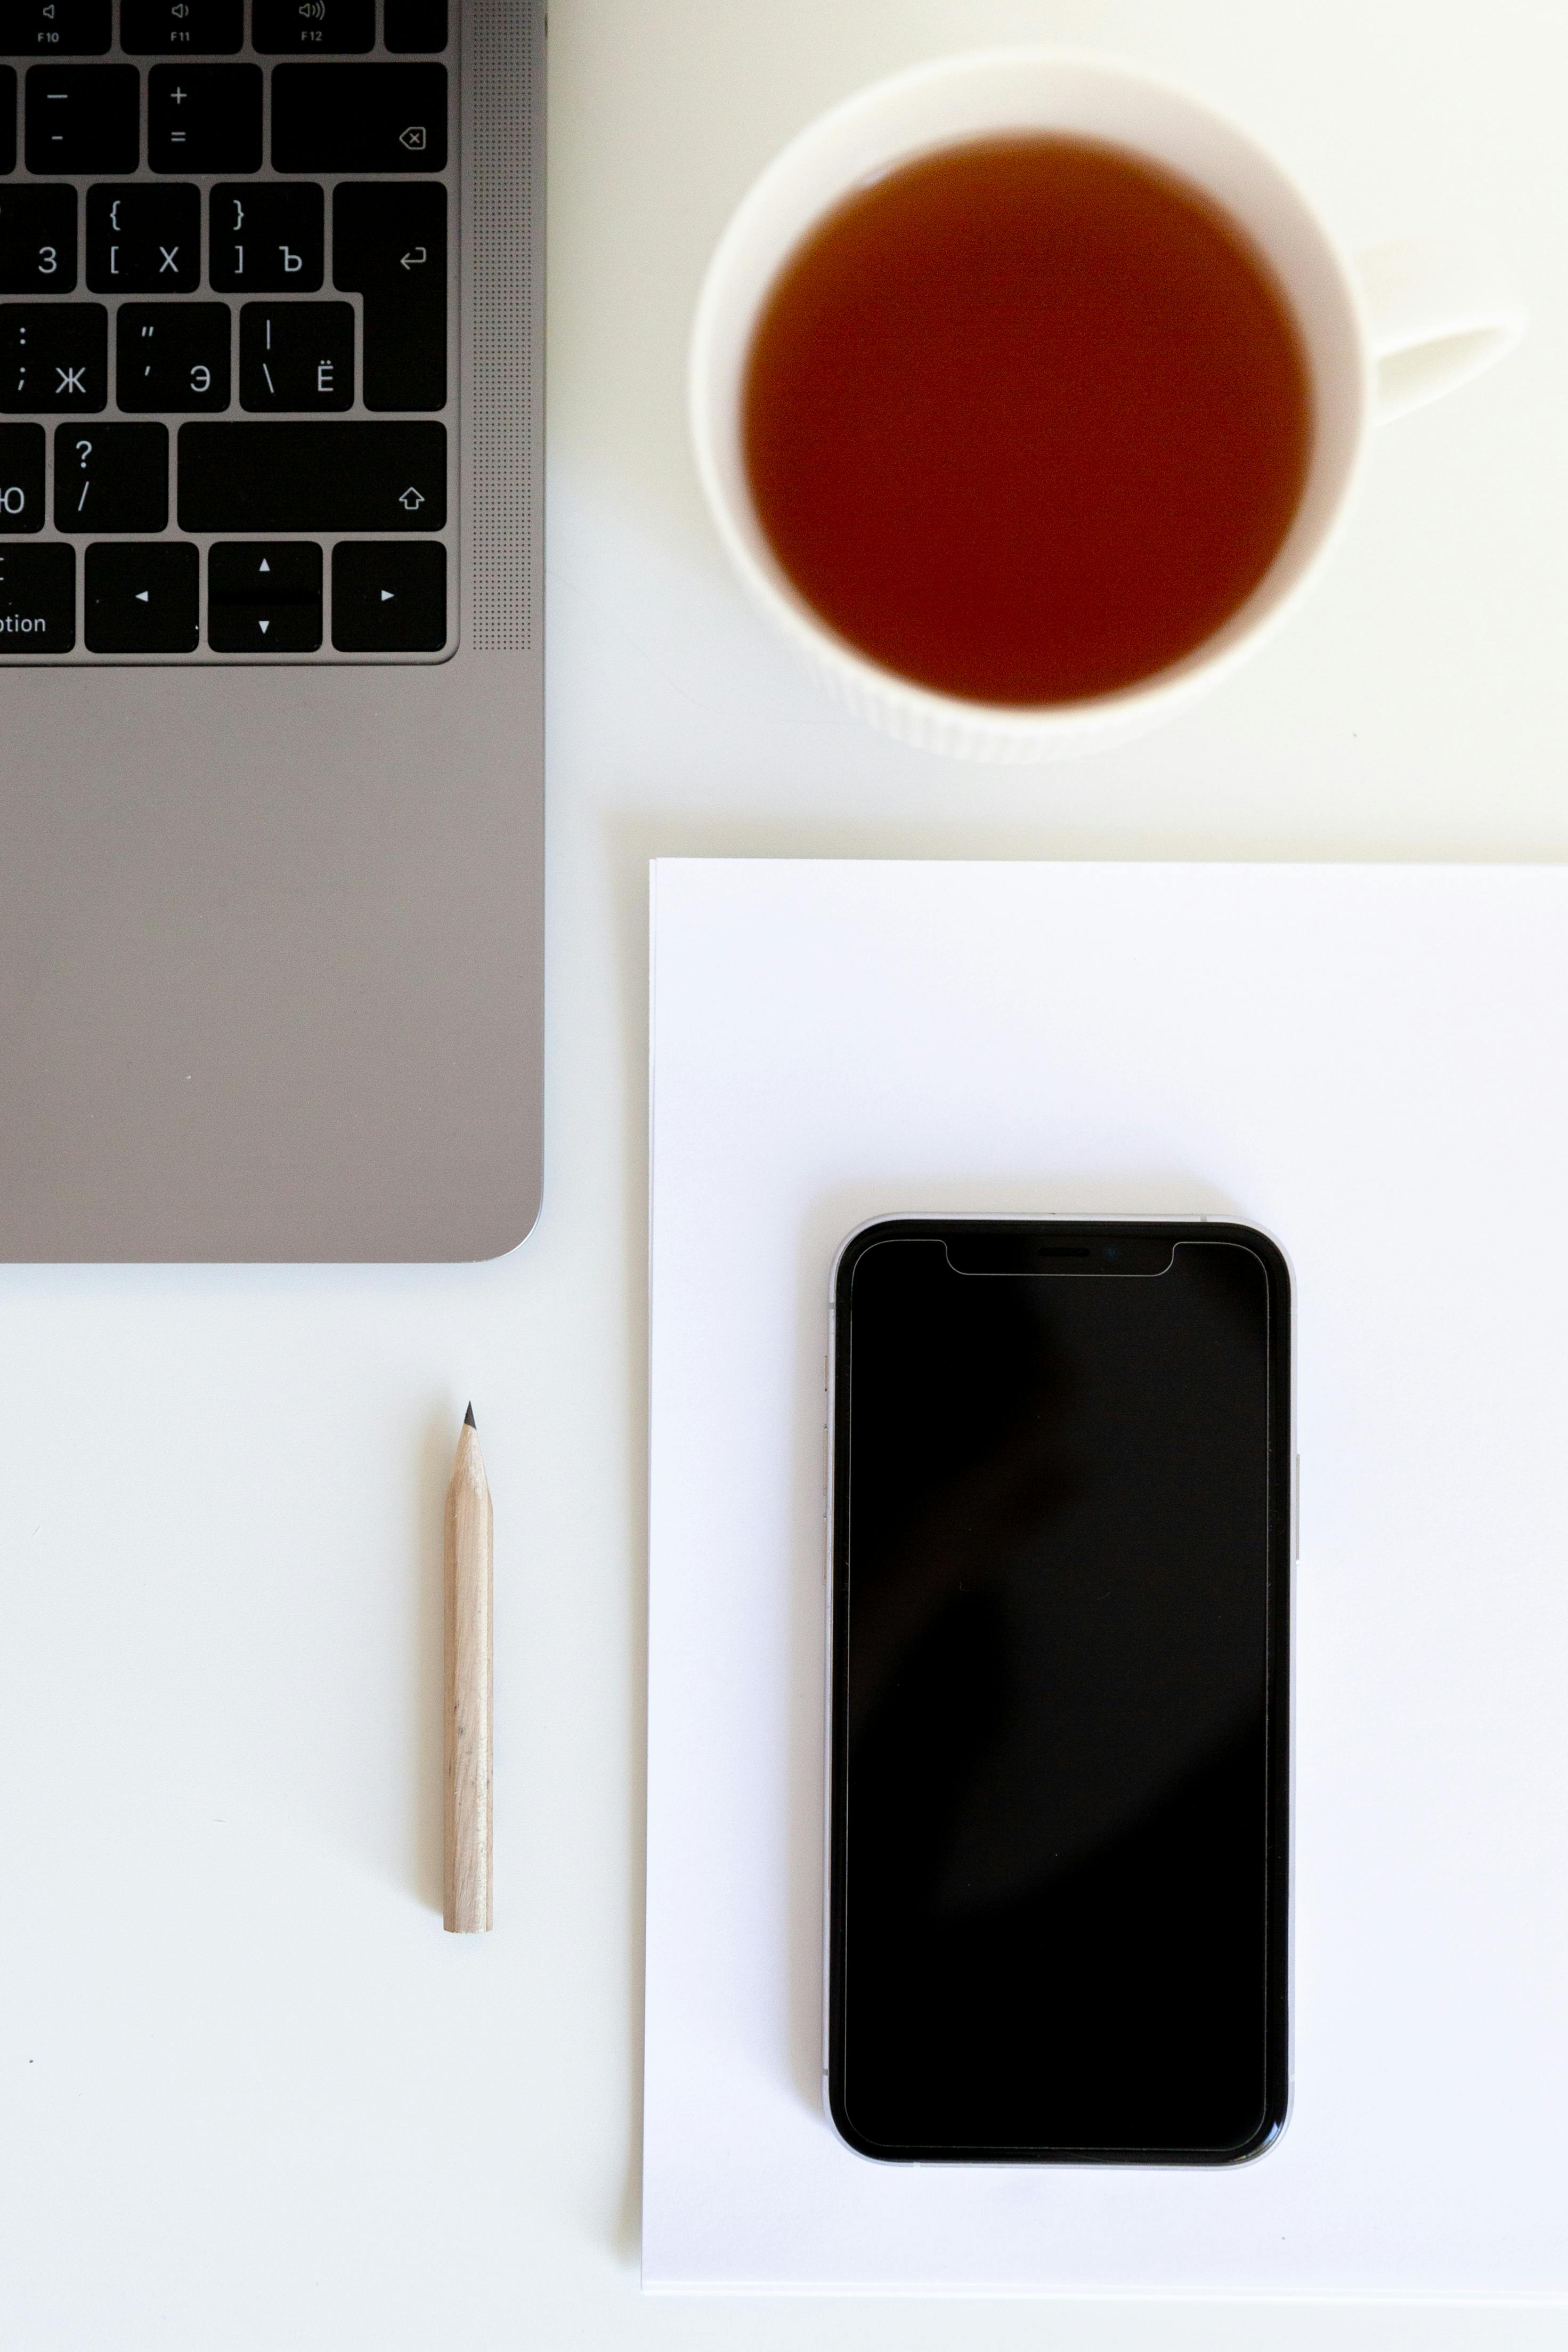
(54, 358)
(83, 118)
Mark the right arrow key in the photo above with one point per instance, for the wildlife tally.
(389, 596)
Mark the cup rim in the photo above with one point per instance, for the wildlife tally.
(857, 672)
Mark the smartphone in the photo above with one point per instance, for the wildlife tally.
(1061, 1474)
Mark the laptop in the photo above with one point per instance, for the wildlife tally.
(271, 755)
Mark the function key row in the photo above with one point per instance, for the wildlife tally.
(81, 120)
(263, 597)
(215, 28)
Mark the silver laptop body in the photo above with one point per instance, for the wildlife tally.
(271, 791)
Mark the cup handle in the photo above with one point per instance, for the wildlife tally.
(1434, 318)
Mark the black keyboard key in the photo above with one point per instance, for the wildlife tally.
(54, 358)
(111, 478)
(173, 355)
(203, 118)
(7, 118)
(21, 478)
(389, 598)
(323, 27)
(296, 355)
(348, 476)
(416, 27)
(267, 240)
(189, 28)
(359, 118)
(84, 119)
(389, 244)
(142, 240)
(141, 597)
(38, 240)
(38, 600)
(57, 28)
(265, 597)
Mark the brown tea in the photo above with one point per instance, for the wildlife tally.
(1026, 419)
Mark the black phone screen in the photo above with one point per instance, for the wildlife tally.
(1062, 1537)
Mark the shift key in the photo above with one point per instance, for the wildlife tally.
(309, 476)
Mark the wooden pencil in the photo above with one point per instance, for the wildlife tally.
(469, 1550)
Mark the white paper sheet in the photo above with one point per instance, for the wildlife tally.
(1368, 1061)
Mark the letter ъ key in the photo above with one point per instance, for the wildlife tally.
(267, 240)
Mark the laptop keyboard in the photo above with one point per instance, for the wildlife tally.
(228, 270)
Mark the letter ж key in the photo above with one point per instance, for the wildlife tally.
(348, 476)
(54, 358)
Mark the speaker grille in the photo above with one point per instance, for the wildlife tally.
(504, 70)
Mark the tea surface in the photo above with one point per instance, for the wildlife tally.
(1026, 419)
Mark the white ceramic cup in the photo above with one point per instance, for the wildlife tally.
(1383, 335)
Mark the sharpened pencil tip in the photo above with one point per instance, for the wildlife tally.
(468, 1420)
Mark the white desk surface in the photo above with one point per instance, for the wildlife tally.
(252, 2097)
